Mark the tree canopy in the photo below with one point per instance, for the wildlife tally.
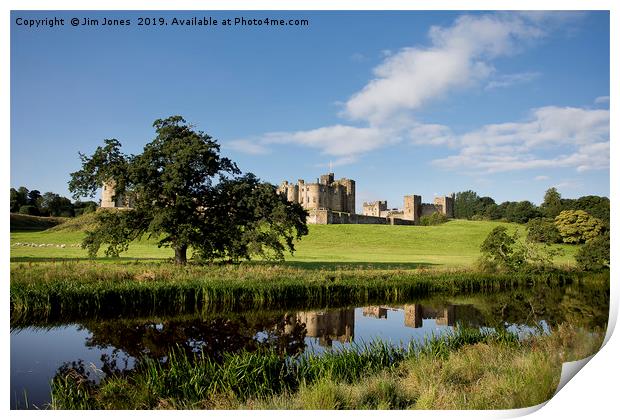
(186, 195)
(577, 226)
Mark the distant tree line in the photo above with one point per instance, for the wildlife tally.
(468, 205)
(33, 203)
(584, 220)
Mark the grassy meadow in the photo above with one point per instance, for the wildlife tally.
(452, 245)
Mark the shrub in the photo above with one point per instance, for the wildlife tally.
(594, 255)
(503, 252)
(29, 210)
(543, 230)
(433, 219)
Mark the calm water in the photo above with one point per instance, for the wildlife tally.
(103, 346)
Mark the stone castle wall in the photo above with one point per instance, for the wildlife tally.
(329, 217)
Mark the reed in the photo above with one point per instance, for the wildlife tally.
(67, 291)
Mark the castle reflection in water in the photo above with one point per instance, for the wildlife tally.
(339, 325)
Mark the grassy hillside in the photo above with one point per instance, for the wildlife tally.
(77, 224)
(24, 222)
(454, 244)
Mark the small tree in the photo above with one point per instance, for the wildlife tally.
(19, 197)
(498, 250)
(543, 230)
(577, 226)
(594, 255)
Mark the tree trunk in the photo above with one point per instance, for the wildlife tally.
(180, 254)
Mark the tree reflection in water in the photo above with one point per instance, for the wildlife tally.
(212, 336)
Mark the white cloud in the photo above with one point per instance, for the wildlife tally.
(336, 140)
(602, 100)
(507, 80)
(431, 134)
(459, 56)
(541, 178)
(252, 147)
(576, 137)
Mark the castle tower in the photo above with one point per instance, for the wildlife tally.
(445, 205)
(290, 191)
(109, 198)
(349, 186)
(327, 179)
(412, 207)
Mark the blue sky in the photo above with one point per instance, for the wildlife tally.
(507, 104)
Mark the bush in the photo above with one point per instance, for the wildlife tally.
(543, 230)
(503, 252)
(594, 255)
(29, 210)
(433, 219)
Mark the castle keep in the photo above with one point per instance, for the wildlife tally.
(326, 193)
(330, 201)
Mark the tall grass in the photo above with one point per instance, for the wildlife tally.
(80, 290)
(467, 369)
(190, 379)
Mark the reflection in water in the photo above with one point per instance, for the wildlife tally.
(414, 314)
(328, 326)
(104, 347)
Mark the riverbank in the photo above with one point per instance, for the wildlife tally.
(82, 289)
(468, 369)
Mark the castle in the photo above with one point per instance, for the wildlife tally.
(330, 201)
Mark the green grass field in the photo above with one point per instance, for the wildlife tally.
(453, 244)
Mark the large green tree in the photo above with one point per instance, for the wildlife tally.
(178, 196)
(577, 226)
(465, 204)
(552, 203)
